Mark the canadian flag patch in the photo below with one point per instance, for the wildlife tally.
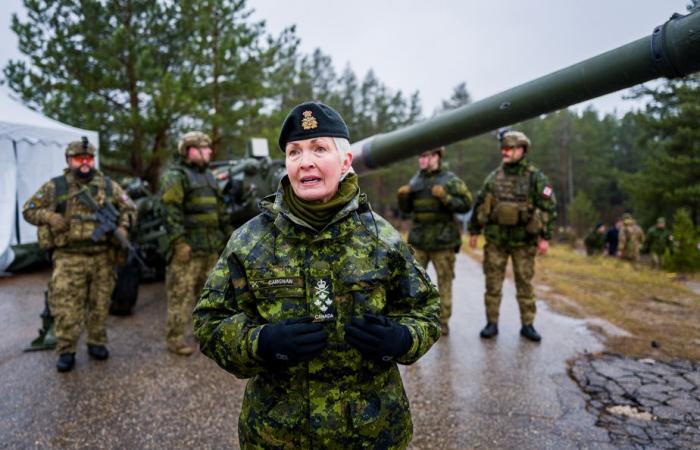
(547, 192)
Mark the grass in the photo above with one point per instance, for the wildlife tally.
(660, 314)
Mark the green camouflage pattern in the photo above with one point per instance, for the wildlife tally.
(434, 226)
(82, 221)
(81, 288)
(194, 214)
(277, 267)
(444, 263)
(631, 239)
(495, 261)
(594, 243)
(658, 240)
(183, 283)
(540, 198)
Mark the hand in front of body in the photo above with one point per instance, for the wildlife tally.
(438, 191)
(291, 341)
(378, 337)
(183, 252)
(57, 222)
(404, 190)
(542, 247)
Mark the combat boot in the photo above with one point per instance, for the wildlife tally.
(529, 332)
(489, 331)
(65, 362)
(98, 352)
(180, 348)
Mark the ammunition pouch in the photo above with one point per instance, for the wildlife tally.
(45, 237)
(483, 212)
(506, 213)
(537, 222)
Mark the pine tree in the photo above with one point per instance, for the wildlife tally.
(686, 255)
(668, 178)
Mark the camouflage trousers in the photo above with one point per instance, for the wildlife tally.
(495, 262)
(80, 290)
(183, 282)
(631, 254)
(444, 262)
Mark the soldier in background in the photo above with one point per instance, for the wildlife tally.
(595, 240)
(658, 240)
(197, 227)
(433, 196)
(516, 209)
(612, 237)
(631, 239)
(83, 274)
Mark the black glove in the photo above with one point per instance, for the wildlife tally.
(378, 337)
(291, 341)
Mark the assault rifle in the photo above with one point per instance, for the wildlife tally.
(107, 217)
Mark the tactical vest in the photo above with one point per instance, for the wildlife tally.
(512, 202)
(201, 217)
(426, 207)
(82, 221)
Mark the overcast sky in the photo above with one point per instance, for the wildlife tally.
(431, 47)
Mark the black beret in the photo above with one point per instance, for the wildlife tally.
(310, 120)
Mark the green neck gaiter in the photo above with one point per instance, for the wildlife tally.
(319, 214)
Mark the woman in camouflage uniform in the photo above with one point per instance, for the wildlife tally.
(316, 300)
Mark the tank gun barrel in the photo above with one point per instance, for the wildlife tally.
(671, 51)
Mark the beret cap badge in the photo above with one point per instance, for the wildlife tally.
(309, 122)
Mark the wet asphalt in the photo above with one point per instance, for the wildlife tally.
(465, 393)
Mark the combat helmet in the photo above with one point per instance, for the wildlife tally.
(439, 150)
(192, 139)
(515, 139)
(80, 147)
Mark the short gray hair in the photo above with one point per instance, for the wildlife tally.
(343, 146)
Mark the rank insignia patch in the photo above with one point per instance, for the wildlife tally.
(322, 301)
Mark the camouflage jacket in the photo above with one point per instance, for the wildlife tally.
(631, 239)
(595, 243)
(434, 226)
(658, 240)
(193, 208)
(538, 208)
(272, 269)
(81, 219)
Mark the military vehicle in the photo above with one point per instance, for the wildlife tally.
(244, 182)
(672, 50)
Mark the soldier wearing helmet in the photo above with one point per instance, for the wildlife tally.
(83, 266)
(516, 210)
(197, 227)
(631, 239)
(432, 197)
(657, 242)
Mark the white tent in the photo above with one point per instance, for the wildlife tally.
(31, 152)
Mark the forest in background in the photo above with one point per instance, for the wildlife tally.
(142, 72)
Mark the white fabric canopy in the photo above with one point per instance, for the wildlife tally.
(31, 152)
